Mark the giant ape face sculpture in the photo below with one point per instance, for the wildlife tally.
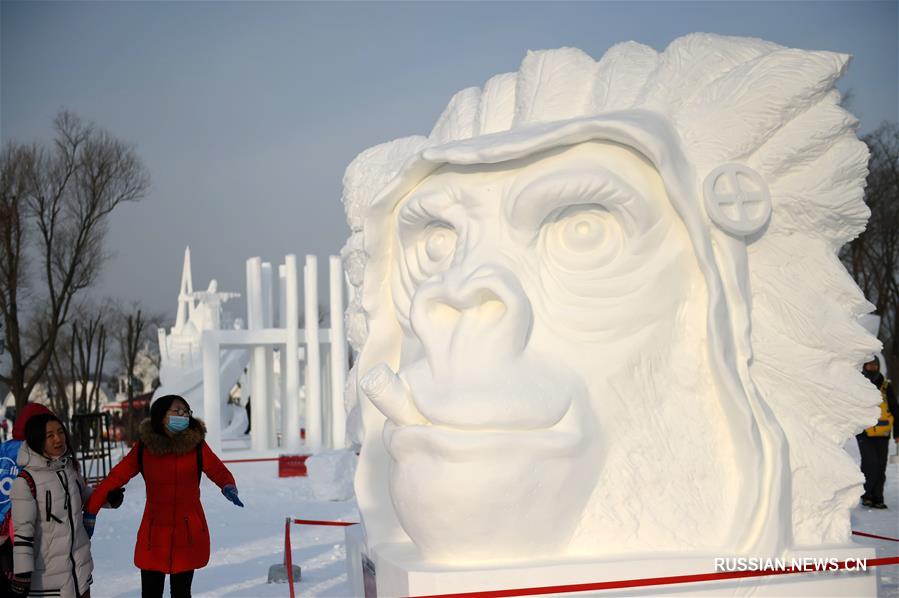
(520, 290)
(571, 346)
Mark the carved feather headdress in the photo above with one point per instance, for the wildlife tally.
(725, 100)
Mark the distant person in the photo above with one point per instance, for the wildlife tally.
(873, 443)
(171, 454)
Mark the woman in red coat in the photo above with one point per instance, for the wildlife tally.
(173, 537)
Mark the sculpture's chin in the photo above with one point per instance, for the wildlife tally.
(492, 495)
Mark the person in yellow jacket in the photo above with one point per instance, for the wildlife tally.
(874, 442)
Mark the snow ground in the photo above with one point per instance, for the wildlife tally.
(882, 523)
(245, 542)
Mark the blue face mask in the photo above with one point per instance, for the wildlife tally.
(178, 423)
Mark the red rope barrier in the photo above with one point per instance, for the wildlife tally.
(649, 581)
(597, 586)
(855, 533)
(249, 460)
(316, 522)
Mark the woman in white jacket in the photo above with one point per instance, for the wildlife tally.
(51, 549)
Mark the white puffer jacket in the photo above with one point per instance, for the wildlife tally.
(50, 539)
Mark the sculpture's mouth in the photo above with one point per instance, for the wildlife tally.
(473, 459)
(526, 405)
(463, 444)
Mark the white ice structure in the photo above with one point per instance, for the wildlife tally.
(180, 350)
(207, 360)
(601, 323)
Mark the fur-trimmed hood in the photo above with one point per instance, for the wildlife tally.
(183, 442)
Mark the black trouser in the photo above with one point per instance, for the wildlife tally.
(5, 566)
(874, 451)
(152, 582)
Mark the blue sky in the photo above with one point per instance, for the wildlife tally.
(247, 113)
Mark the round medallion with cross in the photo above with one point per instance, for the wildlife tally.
(737, 199)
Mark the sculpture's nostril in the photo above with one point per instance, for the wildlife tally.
(443, 314)
(466, 312)
(481, 305)
(491, 308)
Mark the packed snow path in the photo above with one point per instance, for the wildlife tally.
(245, 542)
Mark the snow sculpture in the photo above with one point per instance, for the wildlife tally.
(208, 312)
(599, 310)
(180, 350)
(146, 368)
(197, 311)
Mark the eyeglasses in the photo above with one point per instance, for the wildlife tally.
(186, 412)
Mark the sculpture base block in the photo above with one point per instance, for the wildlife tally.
(397, 570)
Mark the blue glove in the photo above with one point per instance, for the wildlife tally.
(230, 493)
(89, 522)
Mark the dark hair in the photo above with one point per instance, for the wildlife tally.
(159, 408)
(36, 433)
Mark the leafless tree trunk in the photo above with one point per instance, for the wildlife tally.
(54, 209)
(88, 358)
(873, 258)
(57, 376)
(129, 344)
(74, 375)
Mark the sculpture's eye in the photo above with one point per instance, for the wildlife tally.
(435, 248)
(582, 237)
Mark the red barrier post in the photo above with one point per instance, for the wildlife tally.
(288, 557)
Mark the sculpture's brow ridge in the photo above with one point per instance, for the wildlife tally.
(593, 184)
(425, 205)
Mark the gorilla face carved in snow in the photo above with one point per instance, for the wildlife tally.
(575, 342)
(534, 297)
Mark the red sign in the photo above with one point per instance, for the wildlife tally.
(292, 465)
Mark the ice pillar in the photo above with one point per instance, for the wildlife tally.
(338, 355)
(282, 357)
(212, 397)
(258, 375)
(313, 366)
(271, 384)
(290, 403)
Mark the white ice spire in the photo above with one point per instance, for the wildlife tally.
(185, 295)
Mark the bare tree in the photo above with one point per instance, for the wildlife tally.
(74, 375)
(54, 209)
(130, 343)
(88, 358)
(134, 332)
(57, 375)
(873, 258)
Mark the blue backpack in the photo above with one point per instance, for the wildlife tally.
(9, 470)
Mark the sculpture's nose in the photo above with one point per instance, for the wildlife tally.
(472, 311)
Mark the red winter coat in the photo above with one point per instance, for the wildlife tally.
(173, 534)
